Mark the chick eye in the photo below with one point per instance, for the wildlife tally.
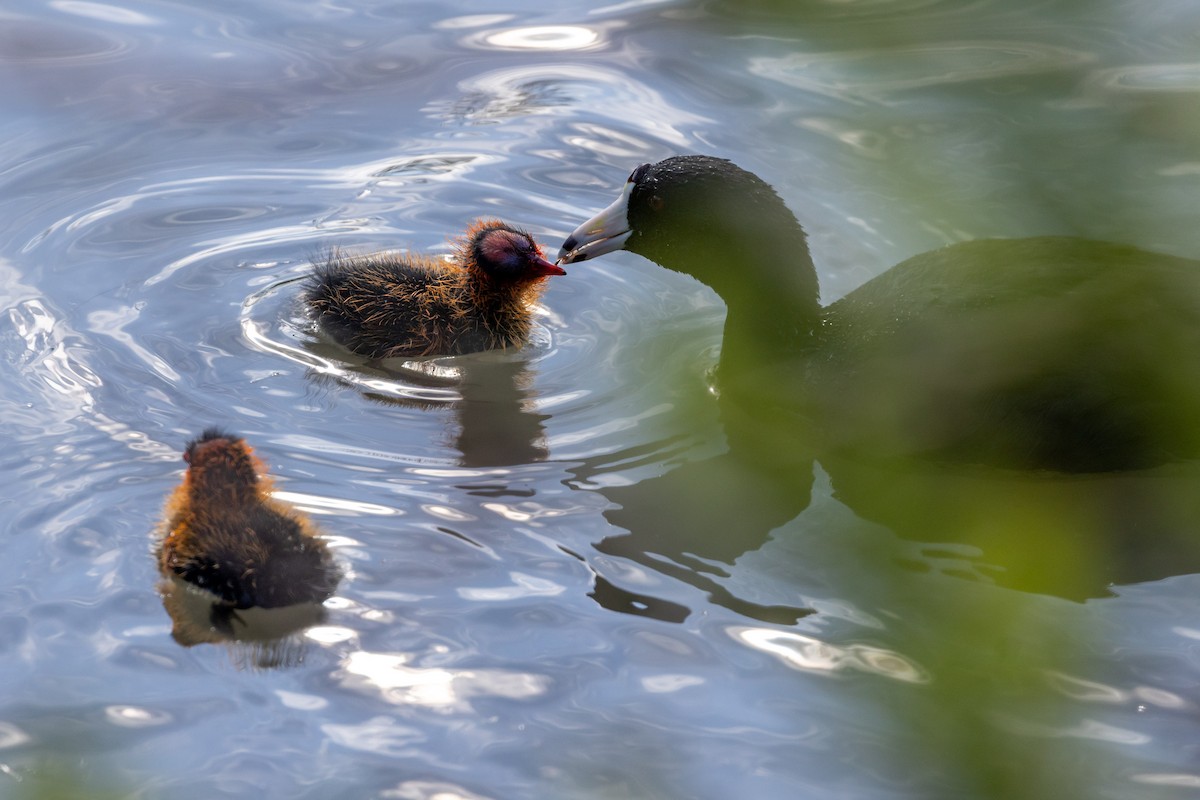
(656, 203)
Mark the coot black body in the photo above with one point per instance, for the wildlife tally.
(1049, 353)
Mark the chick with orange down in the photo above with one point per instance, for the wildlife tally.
(225, 534)
(389, 304)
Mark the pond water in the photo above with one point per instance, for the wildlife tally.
(516, 618)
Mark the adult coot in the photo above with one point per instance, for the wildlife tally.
(1047, 353)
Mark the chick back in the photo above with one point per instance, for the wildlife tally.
(391, 304)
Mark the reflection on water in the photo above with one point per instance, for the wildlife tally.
(32, 41)
(692, 522)
(497, 420)
(445, 690)
(1149, 78)
(490, 394)
(809, 654)
(542, 37)
(257, 638)
(836, 74)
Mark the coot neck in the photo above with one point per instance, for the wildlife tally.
(766, 278)
(761, 334)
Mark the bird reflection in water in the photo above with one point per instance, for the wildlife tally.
(495, 421)
(239, 567)
(693, 521)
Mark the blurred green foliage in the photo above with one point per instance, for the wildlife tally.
(57, 777)
(1100, 139)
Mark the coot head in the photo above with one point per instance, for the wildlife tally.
(708, 218)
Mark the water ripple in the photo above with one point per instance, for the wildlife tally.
(812, 655)
(136, 716)
(104, 12)
(558, 88)
(437, 688)
(40, 42)
(380, 735)
(877, 75)
(431, 790)
(11, 736)
(540, 37)
(1148, 78)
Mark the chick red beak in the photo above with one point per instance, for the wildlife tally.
(541, 267)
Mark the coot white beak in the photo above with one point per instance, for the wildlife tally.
(603, 233)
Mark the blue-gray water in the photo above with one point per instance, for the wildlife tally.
(167, 173)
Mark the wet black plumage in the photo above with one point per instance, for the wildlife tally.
(1051, 353)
